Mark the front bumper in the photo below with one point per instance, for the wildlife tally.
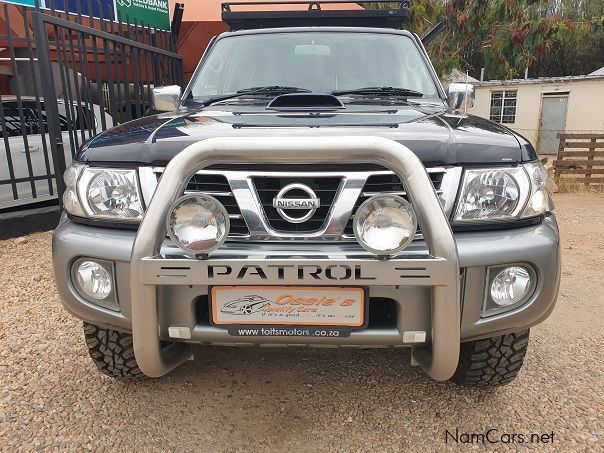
(158, 287)
(536, 245)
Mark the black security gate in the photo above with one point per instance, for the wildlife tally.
(65, 78)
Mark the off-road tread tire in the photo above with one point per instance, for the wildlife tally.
(112, 352)
(491, 362)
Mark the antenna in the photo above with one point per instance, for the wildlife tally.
(465, 104)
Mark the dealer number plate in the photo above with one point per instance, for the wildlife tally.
(288, 305)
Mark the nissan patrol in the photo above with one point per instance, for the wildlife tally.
(313, 185)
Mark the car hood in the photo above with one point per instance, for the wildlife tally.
(436, 136)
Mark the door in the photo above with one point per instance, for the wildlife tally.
(553, 122)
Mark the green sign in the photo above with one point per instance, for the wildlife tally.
(154, 13)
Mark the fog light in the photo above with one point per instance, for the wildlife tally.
(385, 224)
(198, 224)
(510, 286)
(94, 281)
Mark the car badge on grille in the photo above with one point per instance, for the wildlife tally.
(308, 204)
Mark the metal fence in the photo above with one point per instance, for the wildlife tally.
(64, 78)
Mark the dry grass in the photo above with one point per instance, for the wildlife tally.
(577, 185)
(296, 400)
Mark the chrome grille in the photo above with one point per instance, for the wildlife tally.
(247, 192)
(267, 188)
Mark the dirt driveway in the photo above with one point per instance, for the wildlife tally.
(51, 396)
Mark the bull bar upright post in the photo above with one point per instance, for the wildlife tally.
(439, 360)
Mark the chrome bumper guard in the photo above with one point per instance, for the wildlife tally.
(440, 270)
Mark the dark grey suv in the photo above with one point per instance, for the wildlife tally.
(324, 170)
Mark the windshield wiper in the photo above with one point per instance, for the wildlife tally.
(380, 91)
(274, 90)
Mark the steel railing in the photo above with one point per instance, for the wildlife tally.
(65, 78)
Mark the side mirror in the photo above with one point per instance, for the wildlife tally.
(461, 96)
(166, 99)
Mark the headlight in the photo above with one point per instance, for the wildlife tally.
(385, 224)
(198, 224)
(505, 193)
(492, 194)
(110, 194)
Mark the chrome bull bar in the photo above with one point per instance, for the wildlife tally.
(439, 360)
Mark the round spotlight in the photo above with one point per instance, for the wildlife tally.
(94, 280)
(198, 224)
(511, 286)
(385, 224)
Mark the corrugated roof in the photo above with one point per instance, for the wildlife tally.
(566, 79)
(597, 72)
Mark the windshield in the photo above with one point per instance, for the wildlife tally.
(318, 61)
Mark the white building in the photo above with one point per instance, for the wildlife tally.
(541, 108)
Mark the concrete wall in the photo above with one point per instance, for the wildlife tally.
(585, 104)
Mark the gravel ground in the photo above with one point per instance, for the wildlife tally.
(52, 397)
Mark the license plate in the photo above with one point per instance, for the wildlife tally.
(288, 305)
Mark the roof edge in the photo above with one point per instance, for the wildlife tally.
(566, 79)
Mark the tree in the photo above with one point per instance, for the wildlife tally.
(576, 53)
(504, 36)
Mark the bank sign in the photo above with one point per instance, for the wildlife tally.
(155, 13)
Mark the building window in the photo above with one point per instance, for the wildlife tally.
(503, 106)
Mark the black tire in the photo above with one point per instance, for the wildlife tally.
(112, 352)
(491, 362)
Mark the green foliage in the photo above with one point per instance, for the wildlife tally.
(507, 36)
